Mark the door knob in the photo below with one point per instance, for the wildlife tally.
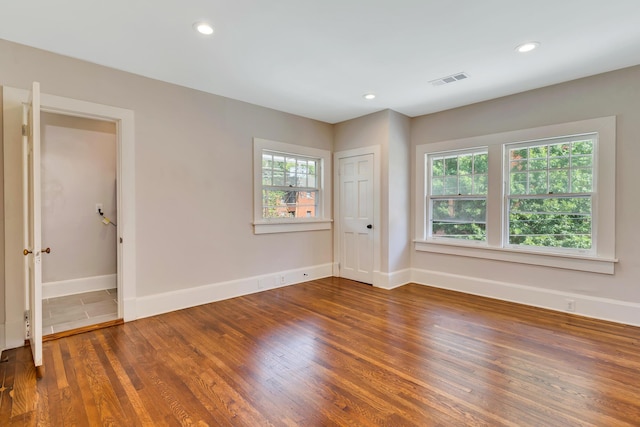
(369, 226)
(26, 252)
(48, 250)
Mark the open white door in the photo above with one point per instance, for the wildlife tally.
(356, 218)
(32, 223)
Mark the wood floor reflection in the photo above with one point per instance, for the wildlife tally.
(335, 352)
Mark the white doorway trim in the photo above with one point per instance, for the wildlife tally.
(125, 173)
(126, 258)
(337, 254)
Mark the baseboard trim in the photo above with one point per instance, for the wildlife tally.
(595, 307)
(392, 280)
(76, 286)
(177, 300)
(14, 334)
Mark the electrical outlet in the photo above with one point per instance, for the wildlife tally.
(571, 305)
(99, 208)
(305, 274)
(282, 280)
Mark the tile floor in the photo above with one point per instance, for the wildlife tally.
(76, 311)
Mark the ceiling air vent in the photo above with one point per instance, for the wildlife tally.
(449, 79)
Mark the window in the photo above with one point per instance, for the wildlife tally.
(289, 183)
(550, 193)
(542, 196)
(457, 195)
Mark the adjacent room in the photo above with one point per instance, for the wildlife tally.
(320, 213)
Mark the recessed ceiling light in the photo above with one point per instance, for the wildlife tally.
(527, 47)
(369, 96)
(203, 28)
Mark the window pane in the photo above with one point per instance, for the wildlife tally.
(519, 154)
(581, 180)
(465, 185)
(437, 186)
(437, 167)
(559, 181)
(538, 152)
(551, 222)
(519, 183)
(558, 162)
(480, 184)
(558, 150)
(278, 163)
(289, 204)
(480, 163)
(518, 165)
(459, 218)
(538, 164)
(311, 182)
(450, 185)
(267, 177)
(582, 147)
(267, 161)
(538, 183)
(278, 178)
(465, 164)
(451, 166)
(581, 161)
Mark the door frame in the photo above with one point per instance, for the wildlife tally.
(125, 146)
(337, 229)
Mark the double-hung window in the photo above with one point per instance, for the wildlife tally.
(541, 196)
(549, 198)
(457, 194)
(290, 183)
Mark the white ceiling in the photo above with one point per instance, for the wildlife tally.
(316, 58)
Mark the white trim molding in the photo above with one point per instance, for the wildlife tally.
(598, 308)
(75, 286)
(392, 280)
(176, 300)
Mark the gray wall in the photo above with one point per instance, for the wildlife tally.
(615, 93)
(193, 161)
(391, 131)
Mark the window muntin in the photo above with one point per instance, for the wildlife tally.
(289, 185)
(550, 188)
(456, 196)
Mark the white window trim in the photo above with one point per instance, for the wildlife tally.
(602, 261)
(322, 221)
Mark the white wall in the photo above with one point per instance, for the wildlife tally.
(78, 158)
(615, 93)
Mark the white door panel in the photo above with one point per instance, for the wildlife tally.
(32, 223)
(356, 218)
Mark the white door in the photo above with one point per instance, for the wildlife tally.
(32, 223)
(356, 218)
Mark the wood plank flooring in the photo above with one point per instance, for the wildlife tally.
(335, 352)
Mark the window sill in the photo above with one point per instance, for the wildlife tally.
(289, 226)
(557, 260)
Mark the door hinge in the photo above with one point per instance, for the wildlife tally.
(25, 130)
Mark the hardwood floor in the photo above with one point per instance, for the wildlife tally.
(335, 352)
